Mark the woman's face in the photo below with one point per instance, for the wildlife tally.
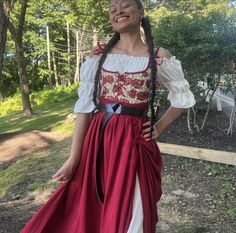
(125, 15)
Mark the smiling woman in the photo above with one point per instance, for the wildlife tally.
(124, 16)
(111, 181)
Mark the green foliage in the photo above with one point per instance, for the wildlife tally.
(45, 97)
(56, 95)
(202, 35)
(204, 44)
(186, 28)
(190, 7)
(85, 16)
(11, 104)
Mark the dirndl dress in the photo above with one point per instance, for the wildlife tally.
(129, 168)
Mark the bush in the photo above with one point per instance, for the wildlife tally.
(56, 95)
(46, 96)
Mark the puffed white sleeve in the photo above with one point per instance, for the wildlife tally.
(88, 70)
(170, 73)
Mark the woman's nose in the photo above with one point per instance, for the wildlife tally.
(118, 10)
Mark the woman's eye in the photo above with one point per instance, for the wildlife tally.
(112, 10)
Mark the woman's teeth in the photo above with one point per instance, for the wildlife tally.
(122, 19)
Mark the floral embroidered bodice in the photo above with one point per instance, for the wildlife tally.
(129, 87)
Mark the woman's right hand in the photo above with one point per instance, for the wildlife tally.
(66, 172)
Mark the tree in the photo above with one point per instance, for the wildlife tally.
(17, 35)
(205, 44)
(3, 32)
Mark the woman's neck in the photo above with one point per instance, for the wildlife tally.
(131, 43)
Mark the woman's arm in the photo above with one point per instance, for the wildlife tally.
(67, 170)
(173, 112)
(170, 116)
(81, 125)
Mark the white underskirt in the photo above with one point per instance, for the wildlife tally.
(136, 224)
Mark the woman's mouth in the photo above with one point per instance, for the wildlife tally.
(122, 19)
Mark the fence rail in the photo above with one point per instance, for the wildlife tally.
(217, 156)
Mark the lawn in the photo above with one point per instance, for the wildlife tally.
(47, 117)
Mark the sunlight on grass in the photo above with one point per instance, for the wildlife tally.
(34, 171)
(47, 118)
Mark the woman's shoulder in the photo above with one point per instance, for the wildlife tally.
(161, 52)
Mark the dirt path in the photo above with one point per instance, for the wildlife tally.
(18, 145)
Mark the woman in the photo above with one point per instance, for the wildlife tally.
(111, 181)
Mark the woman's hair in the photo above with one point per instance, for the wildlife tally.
(145, 23)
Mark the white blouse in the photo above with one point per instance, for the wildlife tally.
(170, 73)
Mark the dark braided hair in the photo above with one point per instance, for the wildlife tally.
(145, 23)
(108, 46)
(149, 40)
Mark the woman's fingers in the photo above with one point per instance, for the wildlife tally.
(147, 133)
(58, 176)
(65, 173)
(148, 123)
(55, 175)
(147, 130)
(62, 178)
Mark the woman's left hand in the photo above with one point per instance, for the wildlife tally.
(147, 131)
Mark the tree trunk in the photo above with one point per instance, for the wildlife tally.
(233, 114)
(95, 37)
(17, 35)
(79, 41)
(194, 119)
(55, 69)
(23, 80)
(1, 97)
(68, 51)
(189, 121)
(3, 32)
(76, 79)
(49, 59)
(209, 105)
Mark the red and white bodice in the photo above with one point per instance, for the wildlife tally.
(132, 88)
(126, 79)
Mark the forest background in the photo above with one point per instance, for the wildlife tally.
(43, 44)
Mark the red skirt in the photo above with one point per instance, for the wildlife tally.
(75, 207)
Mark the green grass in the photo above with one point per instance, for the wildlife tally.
(33, 172)
(47, 117)
(182, 228)
(50, 106)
